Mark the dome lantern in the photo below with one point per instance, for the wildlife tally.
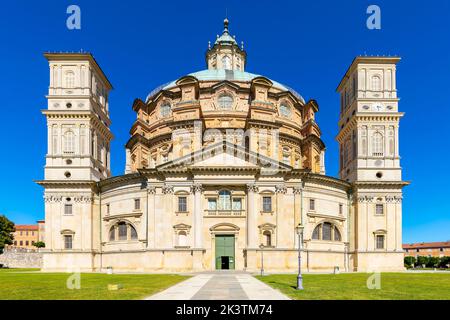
(225, 53)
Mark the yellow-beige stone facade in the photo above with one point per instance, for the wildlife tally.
(222, 167)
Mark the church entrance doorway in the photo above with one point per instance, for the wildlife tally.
(224, 252)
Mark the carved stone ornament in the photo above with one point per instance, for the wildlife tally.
(52, 198)
(252, 188)
(167, 189)
(280, 189)
(196, 188)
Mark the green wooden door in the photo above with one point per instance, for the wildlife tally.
(224, 252)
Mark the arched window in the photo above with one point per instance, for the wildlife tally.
(182, 239)
(70, 79)
(165, 109)
(112, 234)
(376, 83)
(225, 101)
(122, 231)
(377, 144)
(285, 110)
(224, 200)
(226, 62)
(69, 142)
(133, 233)
(268, 238)
(326, 231)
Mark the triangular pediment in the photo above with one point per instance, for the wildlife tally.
(224, 156)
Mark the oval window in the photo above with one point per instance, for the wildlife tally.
(285, 110)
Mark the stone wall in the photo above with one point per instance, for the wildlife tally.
(21, 258)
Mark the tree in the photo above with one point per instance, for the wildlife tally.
(409, 261)
(444, 261)
(433, 262)
(6, 232)
(422, 260)
(39, 244)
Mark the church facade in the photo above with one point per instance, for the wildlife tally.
(224, 170)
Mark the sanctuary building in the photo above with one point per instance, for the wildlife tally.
(223, 168)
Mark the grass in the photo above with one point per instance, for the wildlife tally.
(29, 284)
(353, 286)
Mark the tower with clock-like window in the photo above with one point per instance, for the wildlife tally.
(369, 159)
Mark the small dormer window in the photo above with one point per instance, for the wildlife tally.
(225, 101)
(285, 110)
(165, 109)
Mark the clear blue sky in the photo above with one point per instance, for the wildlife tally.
(306, 45)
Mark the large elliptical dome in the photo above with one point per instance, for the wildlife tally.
(255, 101)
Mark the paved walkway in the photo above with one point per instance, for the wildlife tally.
(220, 286)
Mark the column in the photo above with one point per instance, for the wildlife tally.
(198, 216)
(252, 232)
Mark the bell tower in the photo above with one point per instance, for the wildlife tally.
(77, 119)
(78, 155)
(369, 159)
(369, 121)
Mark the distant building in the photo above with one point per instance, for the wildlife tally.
(41, 230)
(26, 235)
(430, 249)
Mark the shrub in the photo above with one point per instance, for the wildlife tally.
(409, 261)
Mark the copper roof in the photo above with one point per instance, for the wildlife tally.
(422, 245)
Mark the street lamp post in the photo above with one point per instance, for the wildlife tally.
(299, 230)
(261, 246)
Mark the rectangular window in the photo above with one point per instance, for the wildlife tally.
(107, 208)
(67, 209)
(182, 204)
(380, 242)
(67, 242)
(137, 204)
(237, 204)
(312, 204)
(341, 209)
(212, 204)
(379, 209)
(26, 243)
(267, 204)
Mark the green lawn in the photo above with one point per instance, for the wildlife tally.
(353, 286)
(22, 284)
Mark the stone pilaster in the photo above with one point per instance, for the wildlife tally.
(252, 215)
(197, 189)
